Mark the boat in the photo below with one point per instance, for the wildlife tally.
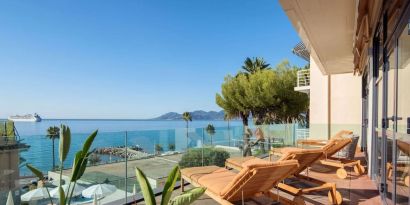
(25, 118)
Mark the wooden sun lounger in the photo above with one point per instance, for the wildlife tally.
(305, 158)
(256, 179)
(331, 147)
(319, 142)
(404, 147)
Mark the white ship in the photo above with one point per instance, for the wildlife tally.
(25, 118)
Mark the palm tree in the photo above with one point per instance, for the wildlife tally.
(171, 147)
(186, 116)
(53, 132)
(254, 65)
(210, 129)
(158, 149)
(228, 117)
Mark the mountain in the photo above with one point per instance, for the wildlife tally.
(196, 115)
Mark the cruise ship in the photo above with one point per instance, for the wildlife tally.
(25, 118)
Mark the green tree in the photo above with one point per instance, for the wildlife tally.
(253, 65)
(267, 94)
(186, 116)
(233, 100)
(290, 106)
(260, 93)
(53, 132)
(210, 129)
(228, 117)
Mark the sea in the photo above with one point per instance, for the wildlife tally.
(142, 133)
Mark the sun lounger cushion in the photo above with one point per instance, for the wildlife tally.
(285, 150)
(194, 173)
(216, 181)
(238, 161)
(268, 173)
(255, 177)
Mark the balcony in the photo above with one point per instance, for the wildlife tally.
(303, 81)
(156, 152)
(9, 138)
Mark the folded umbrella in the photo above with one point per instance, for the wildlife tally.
(35, 194)
(77, 190)
(99, 190)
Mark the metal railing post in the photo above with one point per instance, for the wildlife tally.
(126, 165)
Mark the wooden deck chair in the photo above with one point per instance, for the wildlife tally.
(254, 180)
(320, 142)
(305, 158)
(342, 141)
(402, 164)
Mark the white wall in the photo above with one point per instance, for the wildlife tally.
(345, 103)
(318, 118)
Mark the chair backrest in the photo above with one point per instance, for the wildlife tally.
(349, 151)
(335, 144)
(257, 177)
(342, 133)
(305, 158)
(404, 146)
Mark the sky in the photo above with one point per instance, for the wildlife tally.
(131, 59)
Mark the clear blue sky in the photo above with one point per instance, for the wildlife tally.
(131, 59)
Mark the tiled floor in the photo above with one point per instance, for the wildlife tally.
(354, 189)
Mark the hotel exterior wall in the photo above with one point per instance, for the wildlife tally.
(318, 102)
(344, 98)
(346, 103)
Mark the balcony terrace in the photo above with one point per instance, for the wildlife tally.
(303, 81)
(203, 149)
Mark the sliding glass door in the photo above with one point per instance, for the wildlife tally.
(391, 109)
(401, 151)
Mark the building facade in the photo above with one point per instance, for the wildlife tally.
(359, 80)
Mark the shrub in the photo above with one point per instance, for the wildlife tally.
(94, 159)
(211, 156)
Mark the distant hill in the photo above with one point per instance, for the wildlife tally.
(196, 115)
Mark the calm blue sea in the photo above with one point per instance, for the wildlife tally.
(112, 133)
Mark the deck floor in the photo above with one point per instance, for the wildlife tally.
(354, 189)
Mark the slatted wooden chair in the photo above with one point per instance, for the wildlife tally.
(342, 141)
(256, 179)
(402, 164)
(305, 157)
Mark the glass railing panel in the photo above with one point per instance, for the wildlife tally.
(156, 152)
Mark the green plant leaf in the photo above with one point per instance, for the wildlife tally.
(146, 189)
(169, 185)
(81, 158)
(83, 166)
(62, 195)
(65, 141)
(76, 165)
(89, 141)
(188, 197)
(35, 171)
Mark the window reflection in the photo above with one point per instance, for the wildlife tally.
(403, 134)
